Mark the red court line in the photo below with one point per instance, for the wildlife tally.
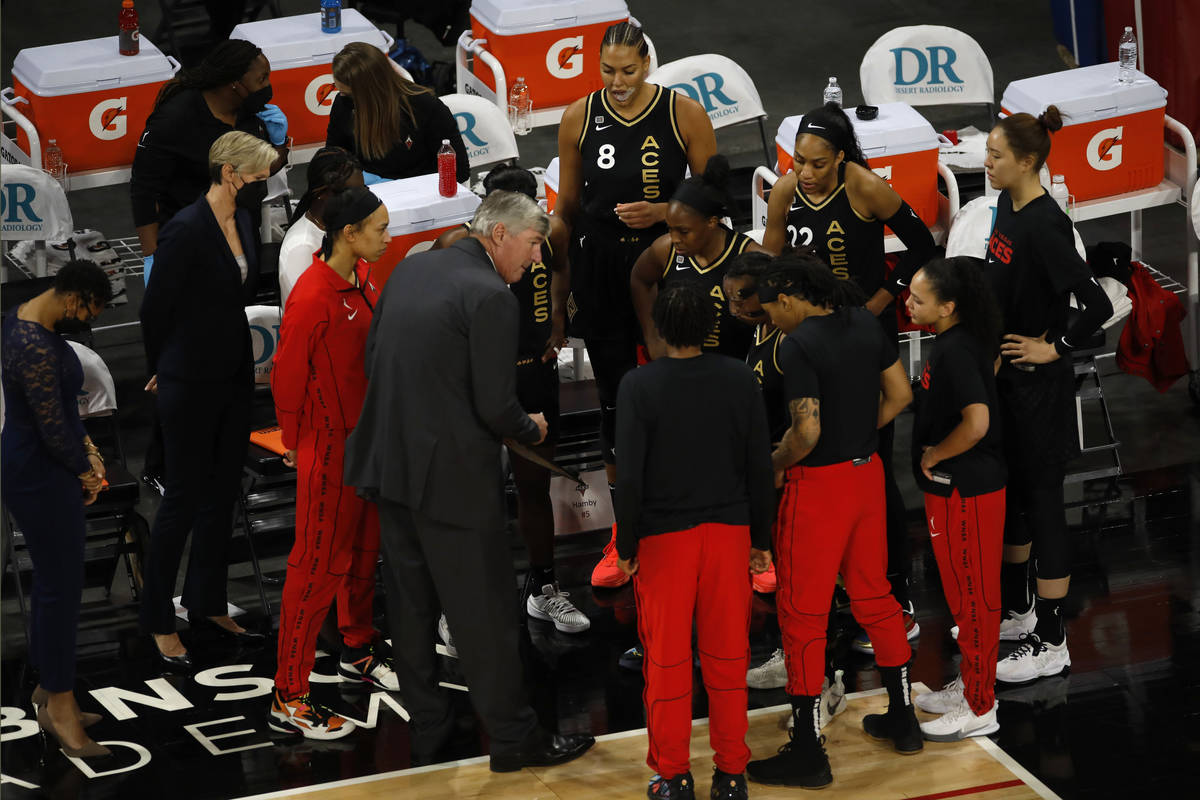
(987, 787)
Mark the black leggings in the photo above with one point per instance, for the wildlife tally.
(611, 359)
(899, 563)
(1034, 514)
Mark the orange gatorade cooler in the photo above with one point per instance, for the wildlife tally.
(90, 98)
(1112, 136)
(553, 44)
(900, 145)
(417, 215)
(300, 57)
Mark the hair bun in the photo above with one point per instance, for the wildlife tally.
(1051, 119)
(716, 172)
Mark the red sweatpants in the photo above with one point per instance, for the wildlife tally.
(337, 545)
(967, 534)
(832, 519)
(699, 573)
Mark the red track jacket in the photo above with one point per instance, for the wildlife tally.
(1152, 341)
(318, 380)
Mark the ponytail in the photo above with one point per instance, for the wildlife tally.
(831, 124)
(1028, 135)
(807, 277)
(961, 281)
(225, 63)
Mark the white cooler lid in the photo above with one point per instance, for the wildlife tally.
(414, 204)
(1085, 94)
(88, 66)
(297, 41)
(551, 177)
(899, 128)
(510, 17)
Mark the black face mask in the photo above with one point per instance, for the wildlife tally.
(251, 195)
(256, 101)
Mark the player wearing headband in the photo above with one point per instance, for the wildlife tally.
(318, 383)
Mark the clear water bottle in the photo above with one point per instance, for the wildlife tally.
(1127, 55)
(331, 16)
(447, 170)
(53, 163)
(520, 108)
(1059, 193)
(833, 92)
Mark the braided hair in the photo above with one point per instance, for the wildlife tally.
(684, 315)
(806, 276)
(225, 63)
(626, 34)
(329, 169)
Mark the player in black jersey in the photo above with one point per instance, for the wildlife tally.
(1034, 267)
(622, 152)
(541, 296)
(740, 285)
(696, 249)
(834, 203)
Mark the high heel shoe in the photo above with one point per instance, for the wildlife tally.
(183, 662)
(90, 749)
(41, 698)
(202, 623)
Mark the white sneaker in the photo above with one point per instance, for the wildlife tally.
(960, 723)
(1032, 660)
(943, 701)
(552, 605)
(1015, 625)
(833, 701)
(447, 647)
(365, 665)
(770, 675)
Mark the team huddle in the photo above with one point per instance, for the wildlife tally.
(781, 479)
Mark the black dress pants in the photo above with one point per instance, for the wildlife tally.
(430, 567)
(206, 430)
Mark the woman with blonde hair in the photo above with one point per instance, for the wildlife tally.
(394, 126)
(198, 351)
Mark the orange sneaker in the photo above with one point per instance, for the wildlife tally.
(607, 575)
(312, 720)
(765, 582)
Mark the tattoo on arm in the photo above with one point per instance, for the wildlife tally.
(801, 437)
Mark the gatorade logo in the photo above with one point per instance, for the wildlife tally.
(1104, 149)
(319, 94)
(565, 57)
(933, 68)
(708, 91)
(107, 120)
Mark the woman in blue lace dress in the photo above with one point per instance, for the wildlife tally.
(50, 471)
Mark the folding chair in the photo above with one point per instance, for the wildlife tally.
(485, 131)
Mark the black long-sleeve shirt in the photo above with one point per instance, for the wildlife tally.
(170, 166)
(415, 152)
(693, 445)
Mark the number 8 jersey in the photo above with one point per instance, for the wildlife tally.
(627, 160)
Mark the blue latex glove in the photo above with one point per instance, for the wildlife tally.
(276, 123)
(370, 178)
(147, 265)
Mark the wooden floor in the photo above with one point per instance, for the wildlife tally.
(615, 767)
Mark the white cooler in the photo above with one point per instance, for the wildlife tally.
(300, 57)
(417, 216)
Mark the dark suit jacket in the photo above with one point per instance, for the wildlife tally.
(194, 311)
(441, 390)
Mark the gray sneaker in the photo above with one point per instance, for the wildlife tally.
(770, 675)
(552, 605)
(447, 647)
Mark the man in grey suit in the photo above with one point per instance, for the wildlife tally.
(441, 396)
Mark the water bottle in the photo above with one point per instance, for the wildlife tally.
(1127, 55)
(331, 16)
(53, 163)
(520, 108)
(1058, 191)
(128, 39)
(833, 92)
(447, 170)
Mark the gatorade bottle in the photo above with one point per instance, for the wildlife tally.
(128, 39)
(447, 170)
